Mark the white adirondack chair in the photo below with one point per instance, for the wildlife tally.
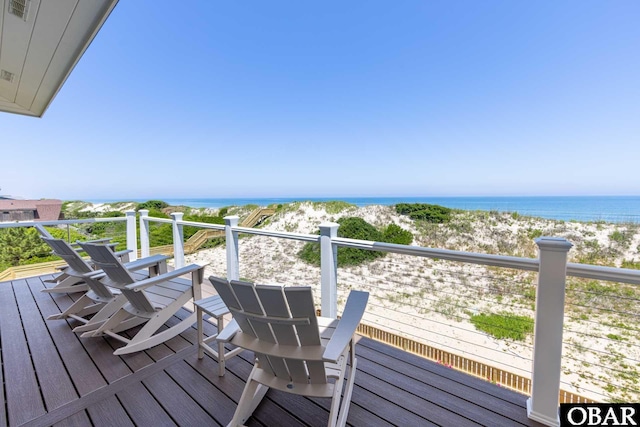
(296, 351)
(154, 300)
(69, 283)
(99, 299)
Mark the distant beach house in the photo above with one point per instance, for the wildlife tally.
(29, 210)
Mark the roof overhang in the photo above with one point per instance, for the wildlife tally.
(40, 43)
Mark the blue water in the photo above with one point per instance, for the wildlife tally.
(578, 208)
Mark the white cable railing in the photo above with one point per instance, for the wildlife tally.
(128, 233)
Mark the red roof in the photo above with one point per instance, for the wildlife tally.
(47, 209)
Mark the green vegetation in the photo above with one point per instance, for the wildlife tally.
(19, 246)
(152, 205)
(395, 234)
(584, 295)
(357, 228)
(162, 234)
(503, 325)
(425, 212)
(334, 207)
(534, 233)
(630, 264)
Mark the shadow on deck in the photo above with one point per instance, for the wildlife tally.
(50, 376)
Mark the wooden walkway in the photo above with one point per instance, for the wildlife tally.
(50, 376)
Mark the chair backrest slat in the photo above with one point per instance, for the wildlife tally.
(300, 301)
(67, 253)
(275, 305)
(248, 299)
(119, 276)
(277, 315)
(223, 288)
(78, 266)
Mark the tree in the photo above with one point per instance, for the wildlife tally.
(22, 246)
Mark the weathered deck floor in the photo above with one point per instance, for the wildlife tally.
(50, 376)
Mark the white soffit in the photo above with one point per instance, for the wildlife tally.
(40, 43)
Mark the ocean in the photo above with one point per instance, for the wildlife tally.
(579, 208)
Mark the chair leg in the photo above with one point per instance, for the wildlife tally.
(68, 285)
(251, 397)
(111, 323)
(346, 398)
(74, 308)
(103, 315)
(200, 332)
(145, 339)
(57, 278)
(221, 355)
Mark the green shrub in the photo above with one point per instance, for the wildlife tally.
(152, 205)
(112, 214)
(357, 228)
(503, 325)
(425, 212)
(69, 235)
(395, 234)
(208, 219)
(157, 213)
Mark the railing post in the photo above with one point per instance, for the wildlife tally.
(542, 406)
(233, 260)
(329, 270)
(132, 238)
(144, 233)
(178, 240)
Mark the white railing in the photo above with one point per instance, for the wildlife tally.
(129, 218)
(551, 265)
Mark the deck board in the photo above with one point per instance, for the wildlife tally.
(54, 377)
(55, 385)
(445, 395)
(108, 413)
(23, 399)
(143, 408)
(3, 411)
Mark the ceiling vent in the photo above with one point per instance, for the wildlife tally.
(19, 8)
(6, 75)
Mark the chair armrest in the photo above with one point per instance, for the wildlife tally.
(145, 262)
(228, 332)
(351, 316)
(96, 275)
(192, 268)
(106, 241)
(103, 240)
(43, 231)
(122, 252)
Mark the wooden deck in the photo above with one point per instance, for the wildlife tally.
(50, 376)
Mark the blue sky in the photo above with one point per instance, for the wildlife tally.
(334, 98)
